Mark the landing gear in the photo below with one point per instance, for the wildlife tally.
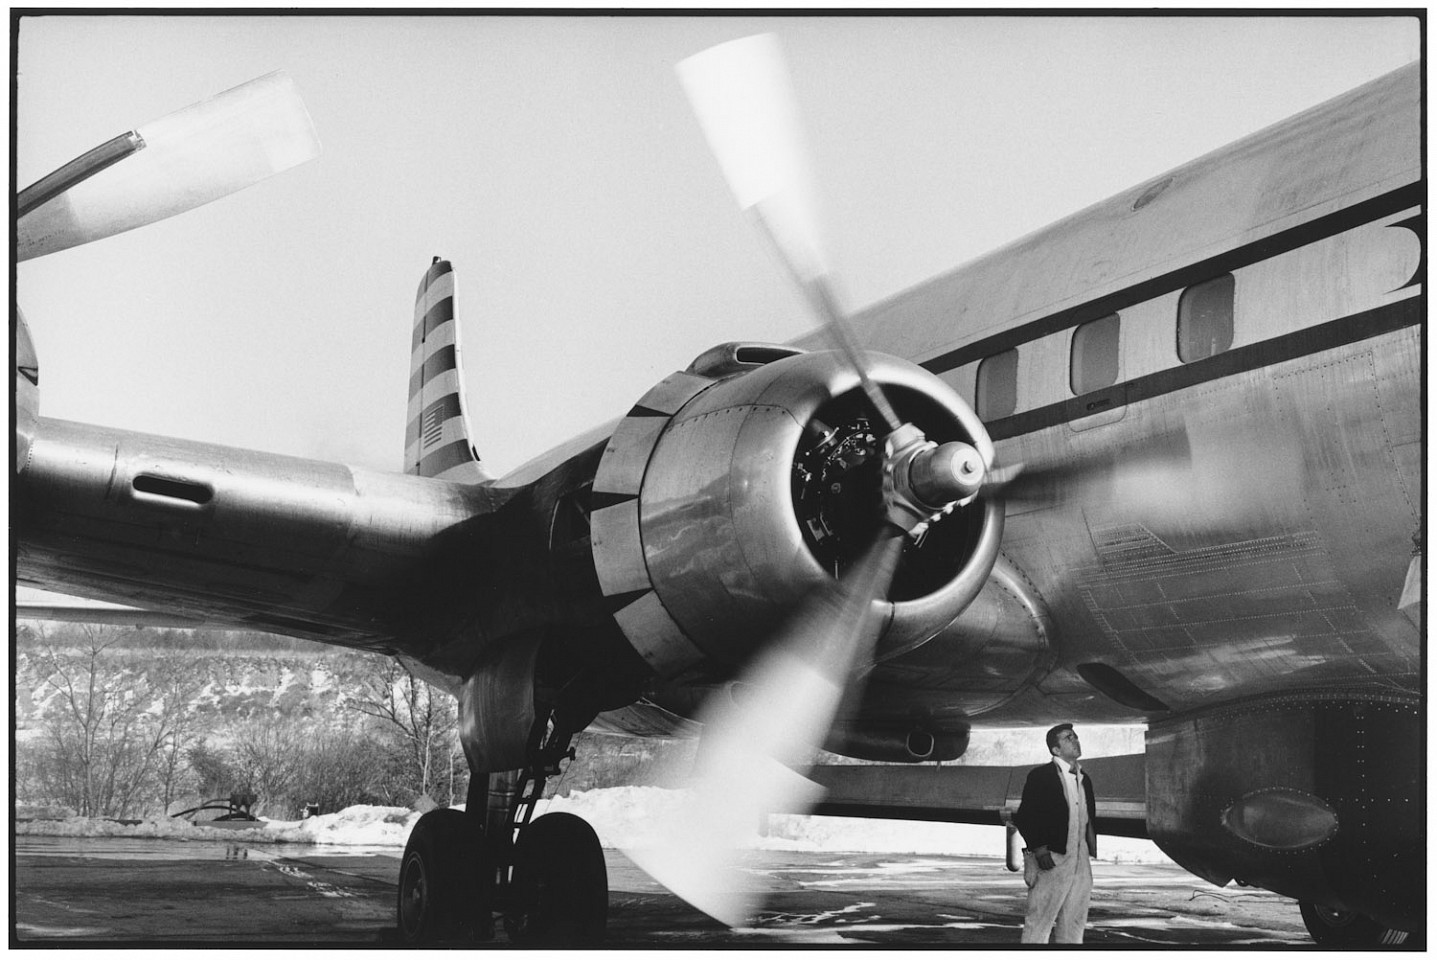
(1343, 928)
(546, 878)
(439, 891)
(559, 893)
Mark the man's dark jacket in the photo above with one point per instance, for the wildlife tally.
(1042, 815)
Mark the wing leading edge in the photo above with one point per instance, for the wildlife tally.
(255, 540)
(977, 794)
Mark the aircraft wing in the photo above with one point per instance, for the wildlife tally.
(112, 614)
(976, 794)
(257, 541)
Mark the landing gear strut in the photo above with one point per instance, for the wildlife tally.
(546, 878)
(558, 884)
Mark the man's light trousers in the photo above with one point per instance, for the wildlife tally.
(1058, 899)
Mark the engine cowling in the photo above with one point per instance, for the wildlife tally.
(735, 488)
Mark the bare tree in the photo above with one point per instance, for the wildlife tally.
(423, 720)
(98, 750)
(339, 769)
(267, 755)
(176, 727)
(213, 769)
(119, 731)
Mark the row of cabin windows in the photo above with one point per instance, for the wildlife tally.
(1204, 330)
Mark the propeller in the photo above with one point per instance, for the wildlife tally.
(754, 745)
(170, 165)
(742, 98)
(755, 741)
(1156, 472)
(1193, 478)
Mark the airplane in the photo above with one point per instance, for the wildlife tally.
(1159, 463)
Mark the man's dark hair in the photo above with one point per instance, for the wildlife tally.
(1053, 735)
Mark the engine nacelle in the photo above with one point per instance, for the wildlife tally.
(897, 742)
(1315, 795)
(733, 490)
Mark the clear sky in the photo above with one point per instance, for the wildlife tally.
(555, 162)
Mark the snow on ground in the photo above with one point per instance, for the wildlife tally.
(353, 826)
(622, 817)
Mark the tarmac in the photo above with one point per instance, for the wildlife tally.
(83, 891)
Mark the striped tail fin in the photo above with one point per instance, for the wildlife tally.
(436, 443)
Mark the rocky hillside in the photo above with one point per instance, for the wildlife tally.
(121, 721)
(223, 712)
(114, 722)
(225, 687)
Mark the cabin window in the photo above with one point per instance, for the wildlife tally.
(998, 385)
(1094, 361)
(1205, 319)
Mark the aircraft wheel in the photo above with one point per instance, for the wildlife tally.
(560, 884)
(1343, 928)
(438, 878)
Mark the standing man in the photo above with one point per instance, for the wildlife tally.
(1056, 817)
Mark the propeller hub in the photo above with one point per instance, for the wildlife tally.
(946, 474)
(923, 480)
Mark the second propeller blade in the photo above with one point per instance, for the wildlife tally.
(755, 742)
(179, 162)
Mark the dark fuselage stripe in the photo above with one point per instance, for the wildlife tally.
(436, 316)
(439, 269)
(1325, 336)
(442, 360)
(435, 271)
(449, 455)
(1259, 250)
(441, 312)
(445, 408)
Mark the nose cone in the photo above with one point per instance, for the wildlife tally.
(948, 473)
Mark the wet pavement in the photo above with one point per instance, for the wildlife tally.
(126, 890)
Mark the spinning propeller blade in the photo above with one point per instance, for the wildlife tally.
(743, 100)
(168, 166)
(759, 738)
(755, 742)
(1157, 473)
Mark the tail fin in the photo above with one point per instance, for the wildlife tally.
(436, 443)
